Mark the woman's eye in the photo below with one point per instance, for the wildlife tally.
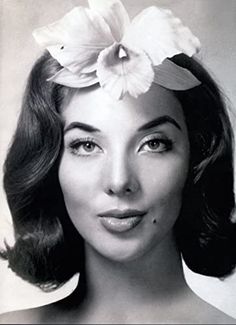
(157, 145)
(84, 147)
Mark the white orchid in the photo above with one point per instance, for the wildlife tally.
(100, 44)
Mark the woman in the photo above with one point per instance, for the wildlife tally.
(121, 162)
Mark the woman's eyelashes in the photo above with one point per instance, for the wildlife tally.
(89, 146)
(84, 147)
(156, 144)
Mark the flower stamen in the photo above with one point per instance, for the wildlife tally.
(122, 52)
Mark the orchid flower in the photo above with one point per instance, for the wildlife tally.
(100, 44)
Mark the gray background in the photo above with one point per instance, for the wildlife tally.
(213, 21)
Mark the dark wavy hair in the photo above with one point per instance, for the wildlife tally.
(49, 250)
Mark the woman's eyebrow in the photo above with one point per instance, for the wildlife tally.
(158, 121)
(81, 126)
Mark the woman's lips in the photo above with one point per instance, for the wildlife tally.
(121, 220)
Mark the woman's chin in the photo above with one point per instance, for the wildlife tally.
(124, 252)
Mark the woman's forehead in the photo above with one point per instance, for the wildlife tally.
(95, 105)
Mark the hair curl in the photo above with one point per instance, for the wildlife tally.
(48, 249)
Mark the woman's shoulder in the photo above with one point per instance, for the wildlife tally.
(196, 311)
(205, 313)
(46, 314)
(213, 315)
(26, 316)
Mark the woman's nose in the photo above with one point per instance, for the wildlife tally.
(121, 178)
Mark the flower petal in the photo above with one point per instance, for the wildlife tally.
(120, 74)
(114, 14)
(67, 78)
(76, 40)
(160, 34)
(76, 59)
(172, 76)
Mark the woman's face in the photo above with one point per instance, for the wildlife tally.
(123, 169)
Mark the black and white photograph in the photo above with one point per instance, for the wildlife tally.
(117, 162)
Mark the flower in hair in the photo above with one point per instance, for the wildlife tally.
(100, 44)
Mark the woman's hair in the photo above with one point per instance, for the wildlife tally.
(49, 250)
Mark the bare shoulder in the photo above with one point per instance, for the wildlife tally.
(26, 316)
(205, 313)
(56, 312)
(195, 311)
(37, 315)
(215, 316)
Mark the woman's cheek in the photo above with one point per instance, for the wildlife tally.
(165, 176)
(78, 177)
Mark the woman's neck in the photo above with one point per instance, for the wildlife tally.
(156, 276)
